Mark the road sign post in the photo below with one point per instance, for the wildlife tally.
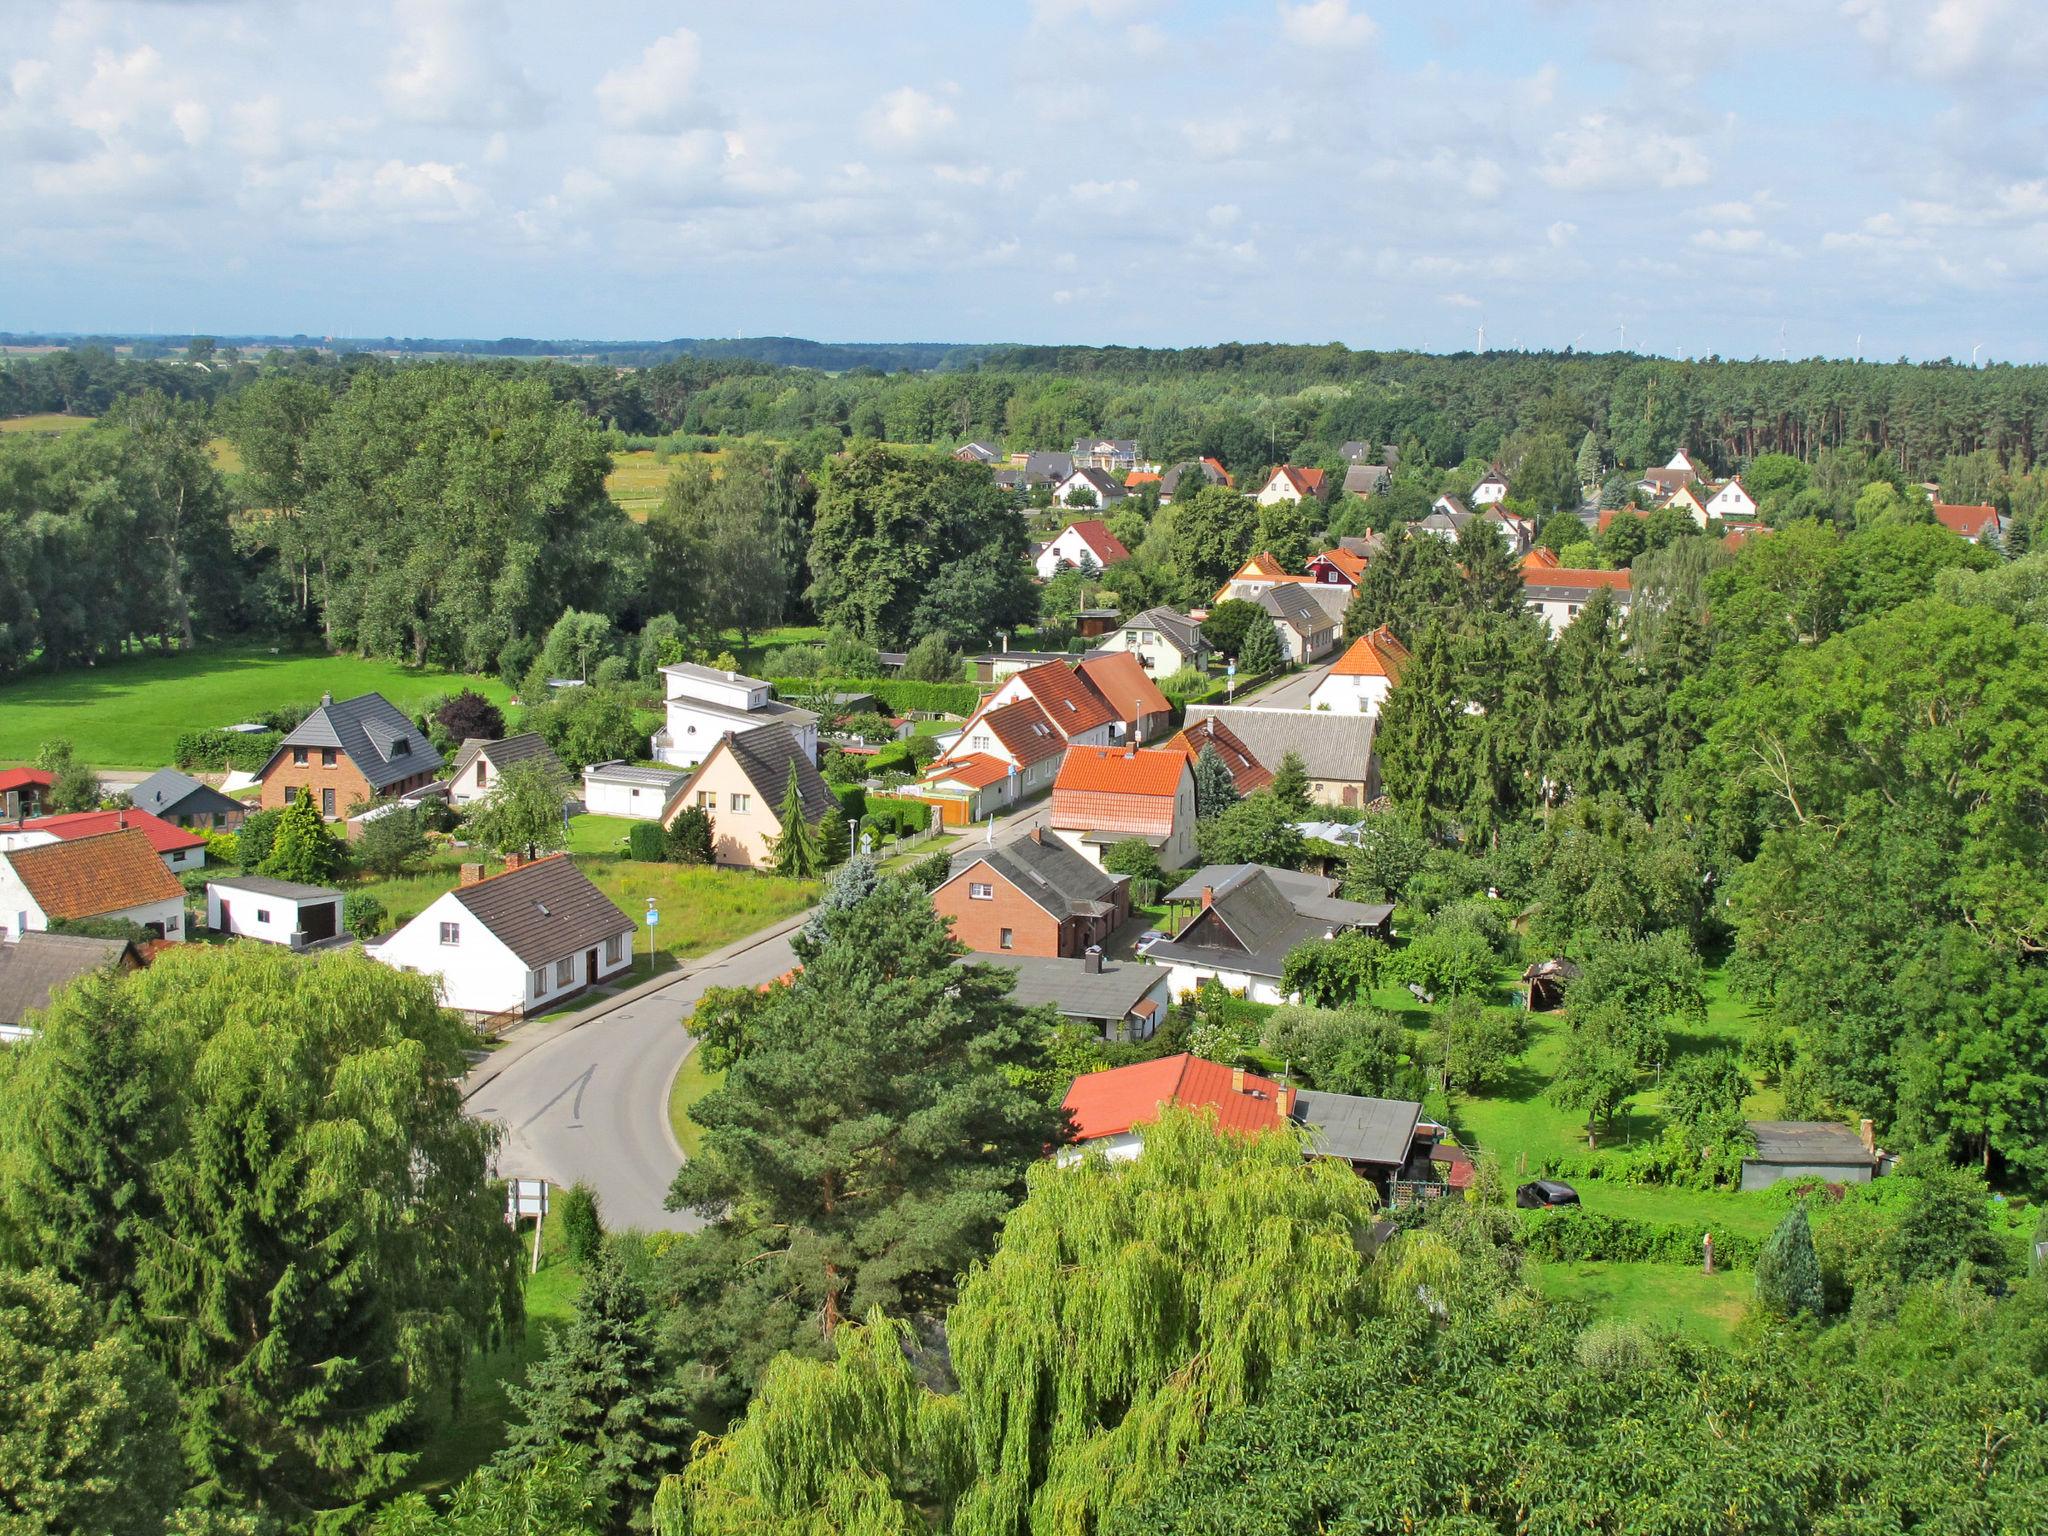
(653, 920)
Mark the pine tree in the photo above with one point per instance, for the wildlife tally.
(1788, 1270)
(1419, 732)
(304, 850)
(1290, 784)
(1589, 459)
(835, 842)
(1260, 654)
(798, 853)
(691, 839)
(604, 1388)
(1215, 788)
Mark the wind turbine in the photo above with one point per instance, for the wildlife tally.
(1624, 335)
(1973, 353)
(1575, 341)
(1482, 332)
(1781, 341)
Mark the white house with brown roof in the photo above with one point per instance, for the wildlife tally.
(1732, 502)
(1307, 630)
(1163, 640)
(1087, 487)
(1080, 714)
(517, 942)
(1292, 482)
(1492, 488)
(1359, 681)
(481, 763)
(1086, 540)
(741, 783)
(113, 876)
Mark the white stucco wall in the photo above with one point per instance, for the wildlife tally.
(477, 973)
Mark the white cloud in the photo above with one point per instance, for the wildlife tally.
(428, 192)
(1326, 24)
(1953, 40)
(1600, 154)
(907, 119)
(657, 90)
(1105, 191)
(1461, 301)
(1223, 215)
(448, 66)
(1561, 233)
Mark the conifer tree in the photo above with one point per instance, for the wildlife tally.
(798, 853)
(1215, 787)
(835, 842)
(1419, 734)
(1589, 459)
(303, 849)
(1260, 653)
(603, 1388)
(1290, 784)
(1788, 1270)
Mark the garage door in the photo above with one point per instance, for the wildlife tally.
(320, 920)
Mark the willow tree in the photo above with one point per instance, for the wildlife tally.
(1127, 1303)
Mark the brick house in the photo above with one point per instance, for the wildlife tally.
(1104, 795)
(1032, 895)
(346, 754)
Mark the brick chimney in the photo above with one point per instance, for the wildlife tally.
(1237, 1079)
(121, 819)
(514, 861)
(1867, 1131)
(1091, 960)
(1208, 897)
(1036, 834)
(471, 874)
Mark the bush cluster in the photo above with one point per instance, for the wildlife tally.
(901, 695)
(1557, 1236)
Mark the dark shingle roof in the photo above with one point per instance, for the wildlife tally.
(766, 754)
(1359, 1130)
(384, 746)
(1253, 922)
(1183, 631)
(1047, 872)
(37, 964)
(1077, 992)
(168, 792)
(544, 911)
(1291, 603)
(1807, 1141)
(1332, 746)
(283, 890)
(527, 747)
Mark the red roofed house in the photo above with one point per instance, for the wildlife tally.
(1259, 574)
(1359, 681)
(1292, 482)
(1969, 521)
(1247, 774)
(1106, 794)
(1337, 568)
(1090, 538)
(1138, 477)
(1541, 559)
(178, 848)
(1558, 593)
(1080, 714)
(116, 875)
(1142, 711)
(23, 791)
(1004, 753)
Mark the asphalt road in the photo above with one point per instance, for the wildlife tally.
(1291, 692)
(591, 1102)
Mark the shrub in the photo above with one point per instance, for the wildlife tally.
(218, 751)
(899, 695)
(932, 870)
(582, 1223)
(900, 817)
(1788, 1270)
(853, 800)
(223, 849)
(690, 839)
(468, 714)
(1445, 963)
(391, 842)
(252, 842)
(1146, 893)
(362, 914)
(1132, 856)
(1327, 972)
(1581, 1235)
(647, 841)
(1477, 915)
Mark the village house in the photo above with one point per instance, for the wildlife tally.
(179, 849)
(1043, 468)
(519, 942)
(620, 788)
(273, 911)
(1732, 502)
(977, 453)
(1518, 533)
(1211, 472)
(1087, 487)
(1247, 774)
(1360, 680)
(24, 792)
(348, 754)
(35, 966)
(1306, 628)
(1103, 795)
(1446, 520)
(1077, 544)
(480, 763)
(1120, 680)
(1250, 918)
(183, 801)
(1122, 1000)
(1031, 895)
(113, 876)
(704, 705)
(1355, 452)
(1000, 666)
(1492, 488)
(1337, 568)
(1367, 479)
(1080, 714)
(1259, 574)
(1557, 593)
(1971, 522)
(741, 783)
(1165, 642)
(1336, 750)
(1810, 1149)
(1117, 455)
(1001, 756)
(1292, 482)
(1691, 500)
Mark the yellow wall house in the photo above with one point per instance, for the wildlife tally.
(741, 782)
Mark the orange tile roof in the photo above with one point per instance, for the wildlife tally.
(1378, 654)
(1965, 518)
(95, 875)
(1217, 465)
(1068, 699)
(162, 835)
(1539, 559)
(1306, 481)
(1141, 477)
(1125, 686)
(1024, 731)
(1122, 771)
(977, 770)
(1113, 1102)
(1561, 576)
(1105, 546)
(1343, 561)
(1247, 773)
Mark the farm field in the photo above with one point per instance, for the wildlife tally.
(636, 481)
(129, 713)
(50, 423)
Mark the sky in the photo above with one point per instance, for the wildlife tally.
(1742, 178)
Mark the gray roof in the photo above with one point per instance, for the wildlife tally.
(1169, 483)
(1077, 992)
(1045, 468)
(544, 911)
(383, 745)
(770, 710)
(1098, 480)
(1332, 597)
(619, 771)
(1807, 1141)
(1048, 873)
(1127, 445)
(1251, 924)
(168, 792)
(1354, 452)
(1548, 592)
(766, 754)
(283, 890)
(1332, 746)
(1366, 544)
(527, 747)
(703, 674)
(1367, 479)
(1292, 606)
(1292, 882)
(36, 964)
(1359, 1130)
(1183, 631)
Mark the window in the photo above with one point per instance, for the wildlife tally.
(707, 799)
(327, 757)
(980, 743)
(300, 757)
(981, 890)
(1006, 940)
(565, 971)
(291, 793)
(451, 933)
(483, 773)
(402, 747)
(614, 949)
(635, 794)
(326, 802)
(262, 916)
(540, 981)
(741, 804)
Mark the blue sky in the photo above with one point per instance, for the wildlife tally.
(1719, 178)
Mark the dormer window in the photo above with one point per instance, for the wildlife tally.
(402, 747)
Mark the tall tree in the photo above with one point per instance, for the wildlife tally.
(1261, 653)
(523, 814)
(303, 849)
(798, 853)
(1215, 786)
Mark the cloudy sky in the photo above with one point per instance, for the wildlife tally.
(1717, 178)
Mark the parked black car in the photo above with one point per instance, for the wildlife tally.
(1543, 1194)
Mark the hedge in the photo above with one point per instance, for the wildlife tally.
(647, 841)
(218, 751)
(899, 816)
(900, 695)
(1562, 1235)
(853, 800)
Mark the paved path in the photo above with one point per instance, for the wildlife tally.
(1291, 692)
(586, 1096)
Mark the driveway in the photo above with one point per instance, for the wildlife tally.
(1292, 691)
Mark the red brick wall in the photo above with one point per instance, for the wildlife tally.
(979, 924)
(344, 778)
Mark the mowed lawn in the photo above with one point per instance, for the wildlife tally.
(129, 713)
(49, 422)
(1680, 1297)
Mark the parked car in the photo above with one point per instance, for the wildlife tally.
(1545, 1194)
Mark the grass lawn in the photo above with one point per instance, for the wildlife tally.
(129, 713)
(477, 1431)
(599, 834)
(636, 482)
(49, 422)
(227, 458)
(1675, 1296)
(693, 1081)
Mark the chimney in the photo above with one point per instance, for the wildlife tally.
(1867, 1131)
(1208, 897)
(326, 699)
(121, 819)
(1237, 1079)
(514, 861)
(1091, 960)
(471, 873)
(1036, 834)
(1280, 1101)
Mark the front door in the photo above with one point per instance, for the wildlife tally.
(226, 923)
(590, 966)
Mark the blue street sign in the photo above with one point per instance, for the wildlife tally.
(653, 917)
